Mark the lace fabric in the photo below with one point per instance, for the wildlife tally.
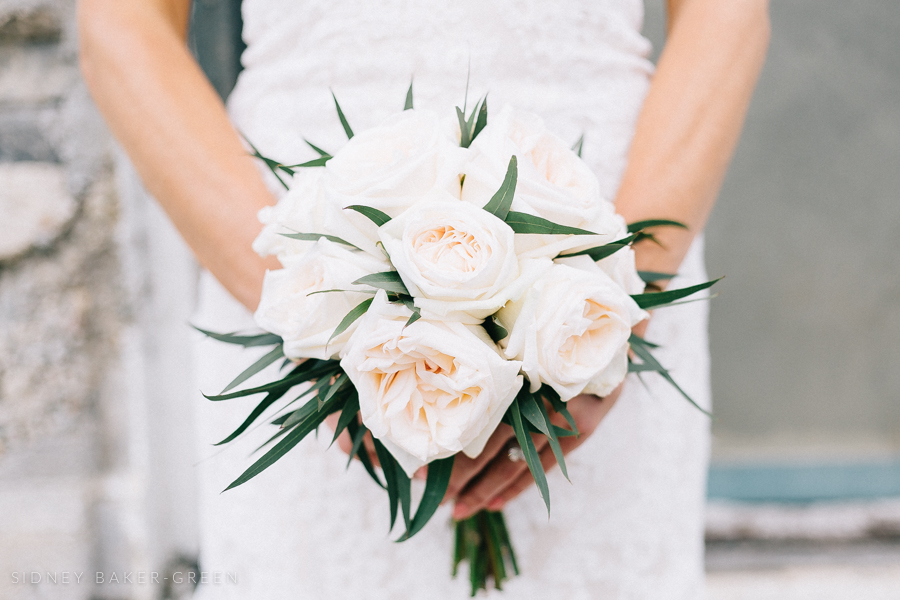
(630, 525)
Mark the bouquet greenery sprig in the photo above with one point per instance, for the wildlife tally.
(441, 277)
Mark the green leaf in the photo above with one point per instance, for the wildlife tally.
(500, 202)
(281, 448)
(373, 214)
(265, 403)
(390, 477)
(636, 339)
(409, 98)
(272, 164)
(276, 354)
(335, 387)
(559, 406)
(481, 123)
(316, 148)
(313, 237)
(531, 455)
(351, 318)
(642, 351)
(348, 413)
(316, 162)
(639, 225)
(494, 329)
(562, 432)
(464, 140)
(389, 281)
(343, 119)
(435, 487)
(265, 339)
(600, 252)
(310, 369)
(525, 223)
(302, 413)
(578, 146)
(651, 276)
(415, 316)
(652, 299)
(533, 409)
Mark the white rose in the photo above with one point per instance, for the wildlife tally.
(571, 329)
(430, 389)
(390, 168)
(294, 212)
(457, 259)
(306, 322)
(553, 182)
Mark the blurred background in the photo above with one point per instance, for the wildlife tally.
(95, 434)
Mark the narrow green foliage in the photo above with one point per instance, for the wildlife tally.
(309, 369)
(435, 487)
(260, 408)
(348, 413)
(373, 214)
(500, 202)
(642, 350)
(390, 477)
(578, 146)
(343, 119)
(550, 432)
(316, 148)
(351, 318)
(639, 225)
(464, 139)
(528, 448)
(276, 354)
(549, 394)
(651, 276)
(358, 432)
(525, 223)
(388, 281)
(600, 252)
(302, 413)
(316, 162)
(247, 341)
(339, 384)
(272, 164)
(313, 237)
(290, 440)
(494, 329)
(409, 97)
(481, 122)
(655, 299)
(415, 316)
(482, 540)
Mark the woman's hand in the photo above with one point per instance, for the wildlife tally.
(491, 479)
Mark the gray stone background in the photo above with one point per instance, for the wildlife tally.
(96, 444)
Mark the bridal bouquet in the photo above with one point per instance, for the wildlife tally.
(441, 276)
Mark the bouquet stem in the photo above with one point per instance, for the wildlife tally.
(483, 541)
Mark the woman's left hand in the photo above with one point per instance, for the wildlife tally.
(492, 479)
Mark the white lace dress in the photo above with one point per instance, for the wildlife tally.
(630, 524)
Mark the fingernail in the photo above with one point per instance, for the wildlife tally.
(460, 511)
(496, 504)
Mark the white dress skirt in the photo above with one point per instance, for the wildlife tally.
(630, 525)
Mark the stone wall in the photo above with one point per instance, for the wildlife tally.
(95, 444)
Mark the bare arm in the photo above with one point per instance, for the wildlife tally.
(685, 136)
(174, 127)
(691, 120)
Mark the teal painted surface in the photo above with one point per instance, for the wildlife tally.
(805, 483)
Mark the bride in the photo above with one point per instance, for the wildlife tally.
(631, 524)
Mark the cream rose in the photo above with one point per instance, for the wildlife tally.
(553, 182)
(571, 329)
(457, 259)
(306, 322)
(430, 389)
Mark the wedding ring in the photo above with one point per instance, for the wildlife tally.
(515, 453)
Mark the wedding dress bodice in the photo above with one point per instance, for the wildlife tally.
(629, 526)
